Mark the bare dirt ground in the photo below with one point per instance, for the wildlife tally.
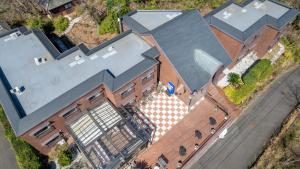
(284, 149)
(86, 32)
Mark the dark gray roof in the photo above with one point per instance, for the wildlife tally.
(22, 121)
(272, 13)
(52, 4)
(192, 48)
(4, 27)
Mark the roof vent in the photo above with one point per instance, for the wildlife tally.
(226, 14)
(39, 61)
(1, 27)
(110, 48)
(17, 91)
(244, 10)
(13, 36)
(258, 5)
(78, 57)
(111, 51)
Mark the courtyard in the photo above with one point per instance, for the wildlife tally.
(189, 130)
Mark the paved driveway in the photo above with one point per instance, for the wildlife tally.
(7, 155)
(247, 137)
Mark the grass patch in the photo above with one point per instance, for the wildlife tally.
(26, 156)
(255, 75)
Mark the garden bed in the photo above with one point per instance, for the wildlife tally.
(257, 74)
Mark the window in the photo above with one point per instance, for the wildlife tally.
(44, 131)
(53, 141)
(147, 92)
(70, 112)
(67, 6)
(96, 96)
(149, 77)
(128, 92)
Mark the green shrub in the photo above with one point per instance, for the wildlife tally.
(216, 3)
(64, 157)
(292, 51)
(26, 156)
(257, 73)
(61, 23)
(238, 95)
(35, 22)
(234, 79)
(108, 25)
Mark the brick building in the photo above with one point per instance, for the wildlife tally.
(79, 95)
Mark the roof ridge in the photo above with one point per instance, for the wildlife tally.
(184, 13)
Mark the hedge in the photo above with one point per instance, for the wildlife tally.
(26, 156)
(260, 71)
(257, 73)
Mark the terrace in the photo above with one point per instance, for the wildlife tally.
(107, 138)
(162, 112)
(187, 133)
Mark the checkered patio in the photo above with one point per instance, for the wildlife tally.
(164, 112)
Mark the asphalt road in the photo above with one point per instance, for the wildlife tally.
(7, 155)
(247, 137)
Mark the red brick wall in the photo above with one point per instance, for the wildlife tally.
(265, 40)
(232, 46)
(259, 43)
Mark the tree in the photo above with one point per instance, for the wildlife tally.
(61, 23)
(35, 22)
(234, 79)
(64, 157)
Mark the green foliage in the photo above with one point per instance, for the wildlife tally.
(238, 95)
(201, 2)
(118, 7)
(216, 3)
(64, 157)
(115, 9)
(288, 138)
(61, 23)
(234, 79)
(108, 25)
(260, 71)
(26, 156)
(152, 4)
(292, 51)
(35, 22)
(257, 73)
